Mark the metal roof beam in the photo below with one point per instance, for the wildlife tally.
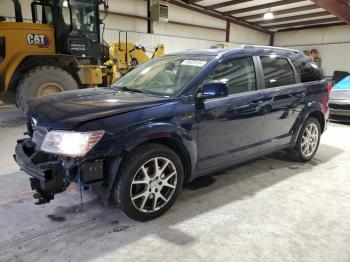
(282, 12)
(304, 23)
(292, 18)
(339, 8)
(218, 15)
(224, 4)
(264, 6)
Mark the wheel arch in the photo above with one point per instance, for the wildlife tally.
(175, 145)
(115, 164)
(320, 117)
(167, 134)
(313, 111)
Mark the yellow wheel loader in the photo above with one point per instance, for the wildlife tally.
(61, 49)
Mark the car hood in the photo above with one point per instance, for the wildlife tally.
(68, 109)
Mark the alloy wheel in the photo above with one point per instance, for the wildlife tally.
(153, 185)
(309, 140)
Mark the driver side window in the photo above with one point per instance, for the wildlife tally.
(238, 73)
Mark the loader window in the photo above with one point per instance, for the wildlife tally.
(65, 13)
(84, 18)
(42, 13)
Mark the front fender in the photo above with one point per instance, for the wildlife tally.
(124, 142)
(151, 132)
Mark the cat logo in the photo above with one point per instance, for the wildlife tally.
(41, 41)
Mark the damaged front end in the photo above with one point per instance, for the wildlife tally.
(53, 173)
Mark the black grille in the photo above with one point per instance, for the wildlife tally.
(339, 106)
(2, 48)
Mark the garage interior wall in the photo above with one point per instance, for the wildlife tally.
(176, 37)
(332, 43)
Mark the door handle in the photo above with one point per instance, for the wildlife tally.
(256, 103)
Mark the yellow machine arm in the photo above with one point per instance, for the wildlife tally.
(159, 51)
(125, 56)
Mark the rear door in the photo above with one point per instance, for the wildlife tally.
(230, 128)
(285, 97)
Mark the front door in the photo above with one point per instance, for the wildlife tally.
(230, 128)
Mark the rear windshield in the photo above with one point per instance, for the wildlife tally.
(277, 72)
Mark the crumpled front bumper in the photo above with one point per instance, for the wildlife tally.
(26, 163)
(51, 174)
(47, 175)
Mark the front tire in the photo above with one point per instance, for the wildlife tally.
(41, 81)
(308, 141)
(150, 180)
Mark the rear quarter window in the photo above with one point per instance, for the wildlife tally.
(307, 71)
(277, 72)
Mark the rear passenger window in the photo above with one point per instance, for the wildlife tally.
(306, 72)
(277, 72)
(238, 73)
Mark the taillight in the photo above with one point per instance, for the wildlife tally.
(325, 99)
(329, 87)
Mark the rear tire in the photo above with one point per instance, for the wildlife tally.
(308, 141)
(149, 182)
(41, 81)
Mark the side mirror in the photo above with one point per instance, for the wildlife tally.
(213, 89)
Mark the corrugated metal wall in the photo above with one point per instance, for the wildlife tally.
(333, 44)
(333, 56)
(176, 37)
(172, 43)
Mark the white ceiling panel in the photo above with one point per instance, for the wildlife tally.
(289, 14)
(300, 20)
(261, 2)
(274, 9)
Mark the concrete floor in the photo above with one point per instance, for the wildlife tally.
(269, 209)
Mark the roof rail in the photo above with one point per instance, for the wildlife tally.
(270, 47)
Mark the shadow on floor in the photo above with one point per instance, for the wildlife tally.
(68, 223)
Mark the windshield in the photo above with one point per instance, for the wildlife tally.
(164, 76)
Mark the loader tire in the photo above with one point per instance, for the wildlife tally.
(41, 81)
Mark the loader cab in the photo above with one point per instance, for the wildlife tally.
(77, 27)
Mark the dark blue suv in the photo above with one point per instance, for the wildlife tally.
(171, 120)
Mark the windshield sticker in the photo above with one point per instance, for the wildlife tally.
(194, 63)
